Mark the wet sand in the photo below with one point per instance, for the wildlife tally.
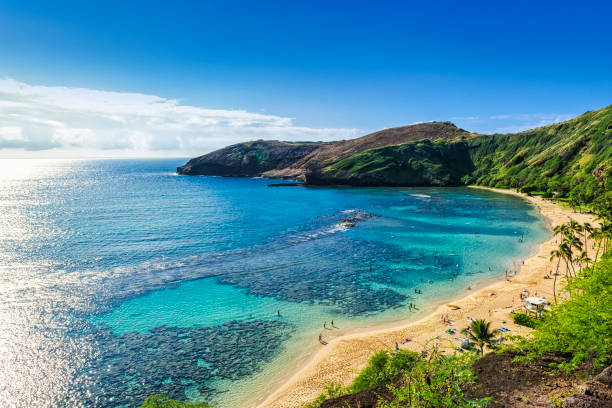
(345, 355)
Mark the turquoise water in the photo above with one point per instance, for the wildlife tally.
(121, 279)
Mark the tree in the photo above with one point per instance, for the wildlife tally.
(479, 333)
(558, 255)
(163, 401)
(587, 230)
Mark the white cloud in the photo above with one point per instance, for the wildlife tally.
(512, 123)
(62, 121)
(464, 118)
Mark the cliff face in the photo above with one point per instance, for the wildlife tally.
(572, 158)
(247, 159)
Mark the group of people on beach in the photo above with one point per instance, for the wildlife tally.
(323, 342)
(325, 324)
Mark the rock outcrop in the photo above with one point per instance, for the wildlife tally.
(248, 159)
(596, 393)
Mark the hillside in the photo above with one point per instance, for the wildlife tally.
(573, 156)
(326, 155)
(248, 159)
(569, 159)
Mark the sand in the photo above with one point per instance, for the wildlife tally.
(344, 356)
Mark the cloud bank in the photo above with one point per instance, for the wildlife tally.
(55, 120)
(510, 123)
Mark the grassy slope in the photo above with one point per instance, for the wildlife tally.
(573, 158)
(420, 163)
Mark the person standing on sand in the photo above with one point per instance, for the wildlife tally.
(325, 325)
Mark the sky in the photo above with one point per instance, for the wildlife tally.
(181, 78)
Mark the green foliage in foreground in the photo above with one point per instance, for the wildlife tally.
(580, 329)
(384, 368)
(163, 401)
(329, 392)
(415, 381)
(437, 382)
(523, 319)
(479, 334)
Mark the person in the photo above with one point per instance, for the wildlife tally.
(278, 312)
(320, 338)
(325, 325)
(332, 323)
(396, 346)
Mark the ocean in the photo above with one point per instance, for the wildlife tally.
(120, 279)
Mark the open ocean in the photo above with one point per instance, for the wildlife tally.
(120, 279)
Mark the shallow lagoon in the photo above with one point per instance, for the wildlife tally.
(140, 281)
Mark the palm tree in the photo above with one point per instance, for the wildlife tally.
(583, 258)
(566, 252)
(560, 230)
(606, 235)
(573, 232)
(556, 254)
(587, 229)
(596, 237)
(479, 333)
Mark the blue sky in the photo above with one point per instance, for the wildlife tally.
(297, 69)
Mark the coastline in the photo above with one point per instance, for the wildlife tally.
(344, 356)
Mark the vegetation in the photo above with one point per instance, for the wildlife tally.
(163, 401)
(571, 161)
(580, 329)
(479, 334)
(384, 368)
(438, 381)
(415, 380)
(419, 163)
(329, 392)
(523, 319)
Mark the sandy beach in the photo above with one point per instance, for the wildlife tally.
(344, 356)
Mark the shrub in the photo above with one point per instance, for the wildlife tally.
(437, 382)
(384, 368)
(580, 329)
(523, 319)
(163, 401)
(329, 392)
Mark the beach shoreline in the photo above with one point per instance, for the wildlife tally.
(344, 356)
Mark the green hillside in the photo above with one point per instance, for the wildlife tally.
(570, 159)
(420, 163)
(573, 158)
